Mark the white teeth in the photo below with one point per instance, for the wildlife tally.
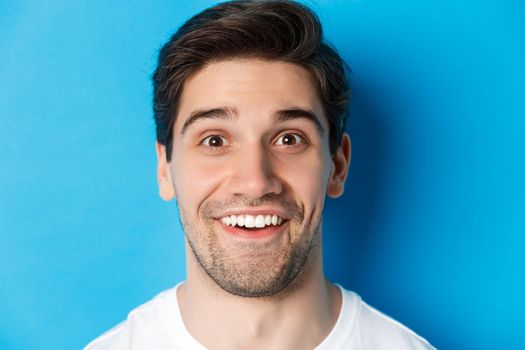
(259, 221)
(240, 220)
(251, 221)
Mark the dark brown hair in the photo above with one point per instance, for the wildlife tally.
(274, 30)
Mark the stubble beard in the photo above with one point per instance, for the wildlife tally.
(267, 272)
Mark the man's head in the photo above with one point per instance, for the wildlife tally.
(272, 30)
(250, 140)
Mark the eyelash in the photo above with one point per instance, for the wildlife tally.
(296, 136)
(214, 148)
(205, 141)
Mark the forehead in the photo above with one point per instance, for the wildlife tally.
(254, 87)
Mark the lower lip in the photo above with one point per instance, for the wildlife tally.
(264, 232)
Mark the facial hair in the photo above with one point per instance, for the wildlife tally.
(264, 271)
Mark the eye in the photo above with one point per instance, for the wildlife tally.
(289, 139)
(214, 141)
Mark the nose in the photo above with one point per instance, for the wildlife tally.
(254, 173)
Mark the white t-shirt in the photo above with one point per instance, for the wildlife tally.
(158, 325)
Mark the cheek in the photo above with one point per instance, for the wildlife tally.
(194, 181)
(308, 177)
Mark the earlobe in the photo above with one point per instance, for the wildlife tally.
(341, 163)
(166, 189)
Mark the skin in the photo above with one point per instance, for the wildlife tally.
(252, 162)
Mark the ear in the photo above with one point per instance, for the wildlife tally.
(341, 163)
(166, 189)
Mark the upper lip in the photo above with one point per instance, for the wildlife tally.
(254, 211)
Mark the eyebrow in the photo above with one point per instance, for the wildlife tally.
(299, 113)
(214, 113)
(230, 113)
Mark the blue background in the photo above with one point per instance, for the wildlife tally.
(430, 229)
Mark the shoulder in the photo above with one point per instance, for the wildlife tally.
(143, 325)
(375, 330)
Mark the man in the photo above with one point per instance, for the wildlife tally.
(250, 107)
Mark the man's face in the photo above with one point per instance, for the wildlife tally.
(250, 170)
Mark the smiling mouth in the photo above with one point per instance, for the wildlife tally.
(252, 221)
(253, 226)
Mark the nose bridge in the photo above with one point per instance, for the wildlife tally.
(254, 172)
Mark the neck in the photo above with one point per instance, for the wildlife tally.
(300, 316)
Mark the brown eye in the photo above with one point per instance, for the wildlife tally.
(214, 141)
(289, 140)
